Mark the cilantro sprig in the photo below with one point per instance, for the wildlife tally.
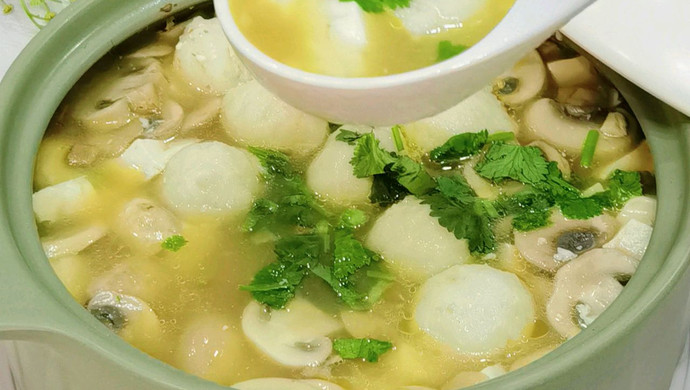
(174, 243)
(309, 241)
(367, 349)
(467, 216)
(394, 175)
(448, 50)
(378, 6)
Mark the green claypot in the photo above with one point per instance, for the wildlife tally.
(56, 344)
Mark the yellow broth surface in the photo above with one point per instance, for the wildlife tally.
(296, 33)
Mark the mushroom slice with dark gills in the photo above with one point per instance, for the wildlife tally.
(129, 317)
(296, 336)
(523, 82)
(115, 104)
(549, 121)
(585, 287)
(564, 239)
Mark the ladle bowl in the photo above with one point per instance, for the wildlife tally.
(405, 97)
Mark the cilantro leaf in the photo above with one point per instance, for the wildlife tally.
(413, 176)
(506, 161)
(174, 243)
(348, 136)
(274, 163)
(385, 190)
(462, 213)
(623, 186)
(343, 289)
(369, 159)
(378, 6)
(275, 284)
(581, 208)
(349, 255)
(447, 50)
(352, 219)
(459, 146)
(367, 349)
(530, 209)
(262, 211)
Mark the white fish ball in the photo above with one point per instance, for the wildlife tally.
(211, 178)
(254, 116)
(475, 309)
(413, 242)
(330, 175)
(205, 58)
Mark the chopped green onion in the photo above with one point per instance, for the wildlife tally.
(397, 137)
(502, 136)
(588, 148)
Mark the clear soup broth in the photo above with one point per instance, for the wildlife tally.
(230, 235)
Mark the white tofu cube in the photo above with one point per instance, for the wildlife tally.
(632, 239)
(150, 156)
(63, 199)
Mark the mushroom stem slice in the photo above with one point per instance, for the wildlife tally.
(541, 247)
(591, 281)
(523, 82)
(295, 337)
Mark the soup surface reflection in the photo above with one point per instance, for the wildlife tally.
(230, 235)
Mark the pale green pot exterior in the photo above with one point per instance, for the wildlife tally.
(55, 344)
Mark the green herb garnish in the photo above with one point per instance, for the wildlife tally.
(447, 50)
(396, 132)
(378, 6)
(588, 148)
(465, 215)
(174, 243)
(367, 349)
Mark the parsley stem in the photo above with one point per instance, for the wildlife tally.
(397, 137)
(588, 148)
(502, 136)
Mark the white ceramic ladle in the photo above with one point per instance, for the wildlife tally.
(408, 96)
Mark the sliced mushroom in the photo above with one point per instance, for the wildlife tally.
(74, 242)
(572, 72)
(209, 347)
(144, 224)
(295, 337)
(254, 116)
(413, 242)
(166, 125)
(285, 384)
(591, 281)
(554, 155)
(154, 50)
(211, 178)
(64, 199)
(142, 278)
(330, 175)
(546, 120)
(615, 125)
(572, 236)
(129, 317)
(475, 309)
(579, 102)
(136, 92)
(205, 114)
(640, 160)
(95, 147)
(523, 82)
